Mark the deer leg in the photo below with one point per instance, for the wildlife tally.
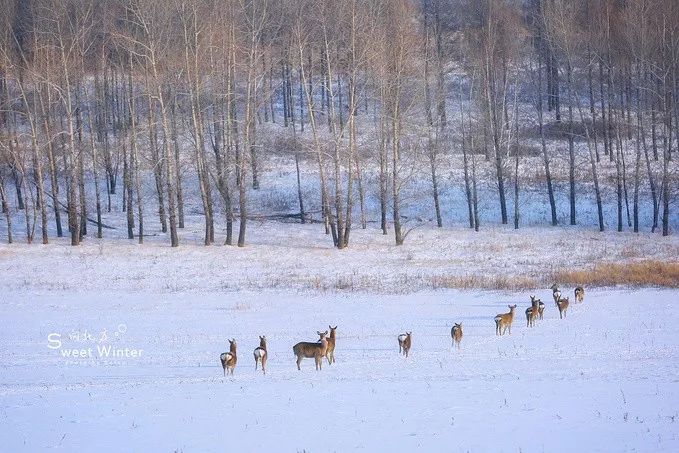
(299, 360)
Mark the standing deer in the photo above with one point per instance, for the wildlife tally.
(556, 293)
(579, 294)
(456, 333)
(308, 350)
(562, 304)
(230, 358)
(260, 354)
(404, 342)
(503, 321)
(533, 311)
(330, 354)
(541, 309)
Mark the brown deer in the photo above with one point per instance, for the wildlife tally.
(456, 333)
(260, 354)
(579, 294)
(562, 304)
(330, 354)
(533, 311)
(541, 309)
(230, 358)
(556, 293)
(404, 342)
(308, 350)
(503, 321)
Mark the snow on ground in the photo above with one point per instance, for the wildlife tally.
(606, 378)
(301, 257)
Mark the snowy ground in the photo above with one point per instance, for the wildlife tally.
(604, 379)
(301, 258)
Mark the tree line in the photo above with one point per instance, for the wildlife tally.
(96, 95)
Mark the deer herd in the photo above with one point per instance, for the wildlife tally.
(325, 346)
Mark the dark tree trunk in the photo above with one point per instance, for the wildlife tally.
(571, 146)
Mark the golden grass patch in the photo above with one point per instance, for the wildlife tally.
(638, 273)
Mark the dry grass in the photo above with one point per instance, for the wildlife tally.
(640, 273)
(630, 251)
(7, 253)
(498, 282)
(240, 306)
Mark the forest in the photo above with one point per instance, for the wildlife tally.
(362, 97)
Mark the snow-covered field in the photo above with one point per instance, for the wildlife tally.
(606, 378)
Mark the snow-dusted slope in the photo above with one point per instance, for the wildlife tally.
(606, 378)
(300, 257)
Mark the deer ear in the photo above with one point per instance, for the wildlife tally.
(334, 328)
